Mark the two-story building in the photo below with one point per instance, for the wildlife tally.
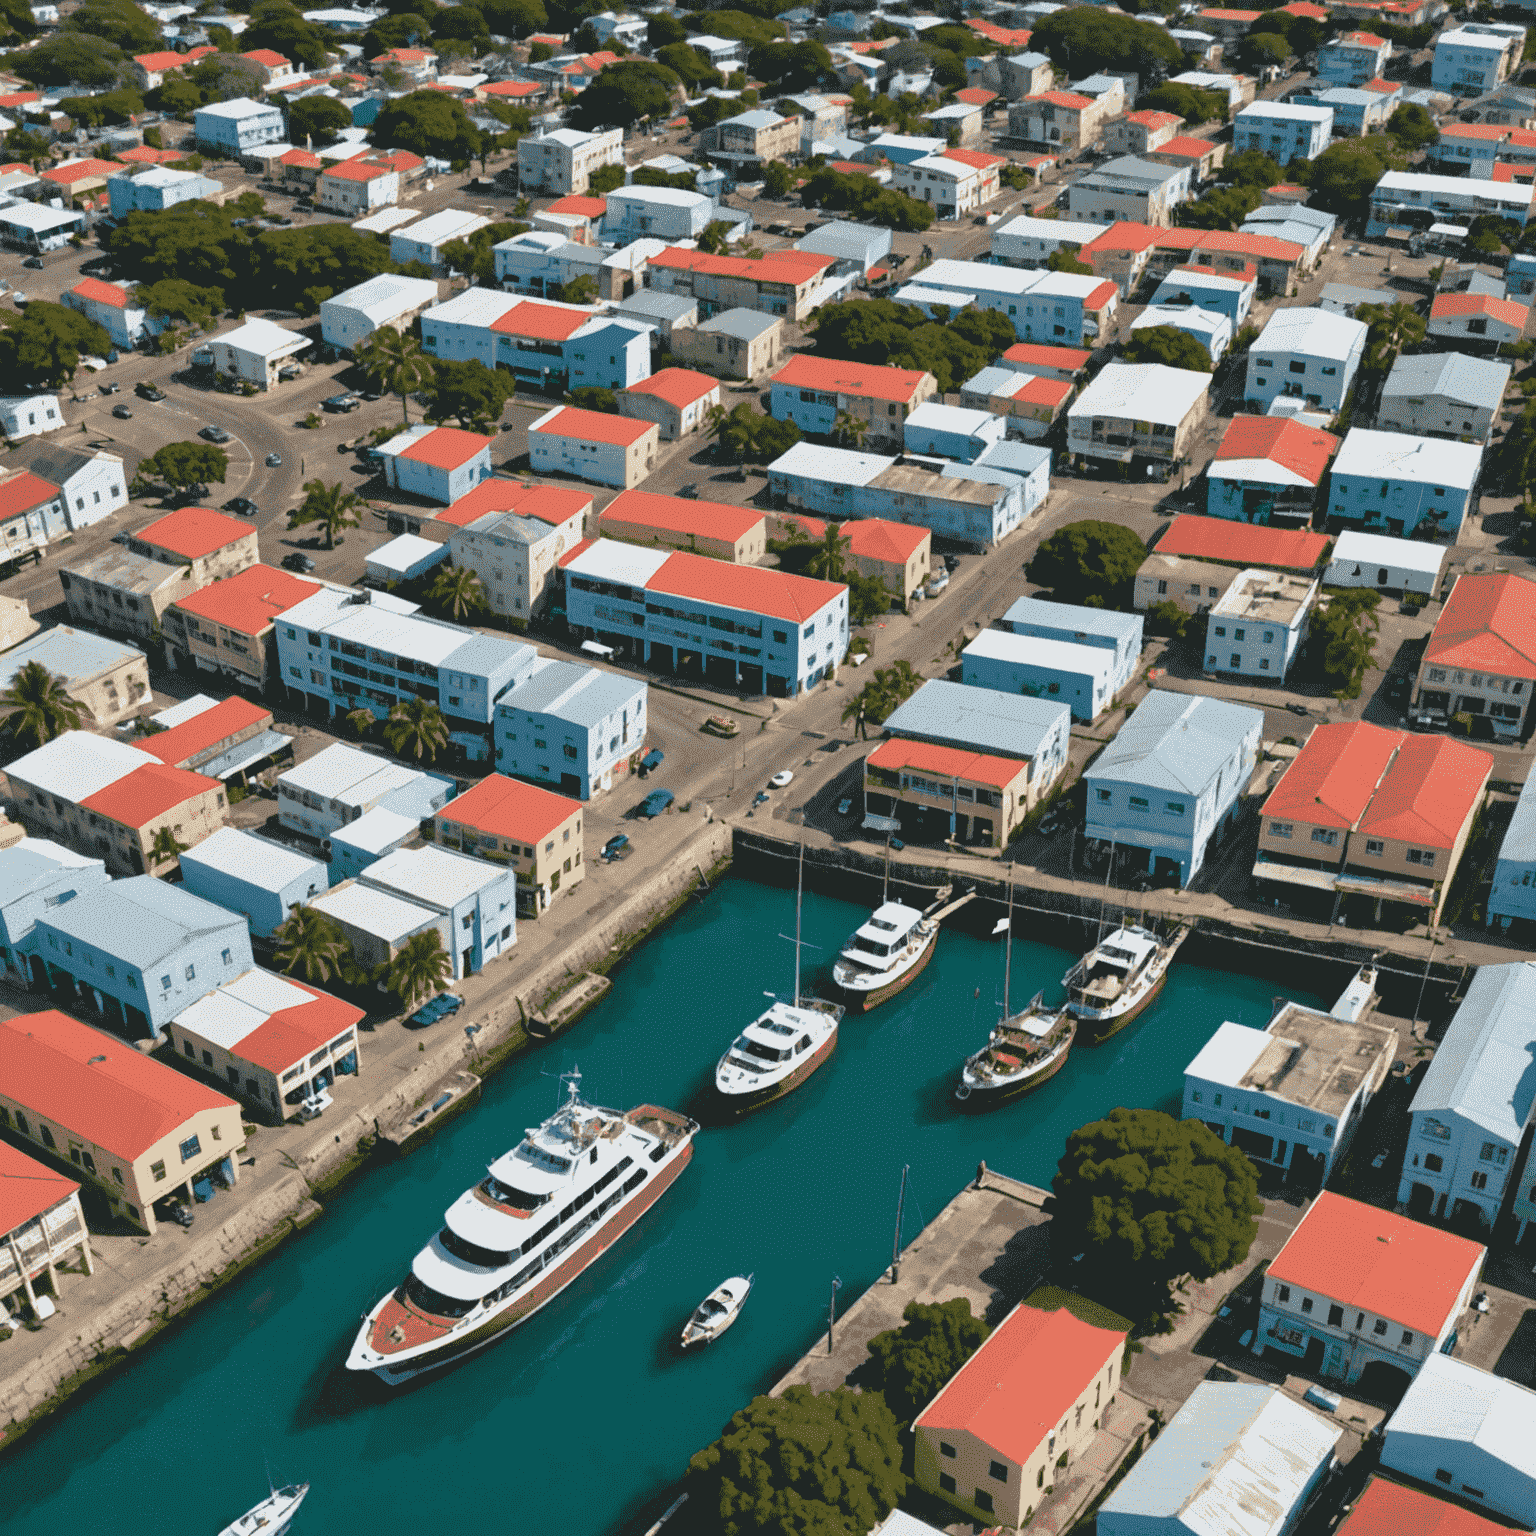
(1389, 482)
(1258, 624)
(735, 534)
(357, 187)
(37, 874)
(605, 450)
(260, 880)
(1063, 121)
(226, 627)
(560, 163)
(1137, 132)
(531, 830)
(341, 786)
(1352, 58)
(438, 463)
(1063, 309)
(1512, 893)
(1118, 633)
(1128, 188)
(109, 679)
(1267, 470)
(111, 306)
(1477, 320)
(954, 182)
(814, 392)
(1283, 131)
(234, 128)
(1481, 656)
(1443, 394)
(1416, 199)
(787, 283)
(44, 1231)
(751, 138)
(1470, 61)
(1138, 411)
(512, 537)
(1305, 354)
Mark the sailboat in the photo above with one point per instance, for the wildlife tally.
(1024, 1049)
(780, 1048)
(272, 1516)
(1119, 977)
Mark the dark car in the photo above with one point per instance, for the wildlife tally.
(615, 846)
(148, 392)
(273, 460)
(440, 1007)
(298, 561)
(121, 412)
(243, 505)
(341, 402)
(651, 760)
(655, 803)
(35, 262)
(214, 435)
(109, 389)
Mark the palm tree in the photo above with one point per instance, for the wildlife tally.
(420, 968)
(457, 592)
(334, 507)
(827, 562)
(165, 848)
(39, 708)
(879, 697)
(362, 721)
(395, 363)
(849, 430)
(311, 942)
(418, 726)
(1392, 327)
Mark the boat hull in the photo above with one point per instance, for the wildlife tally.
(746, 1103)
(549, 1287)
(860, 1001)
(1097, 1029)
(1006, 1093)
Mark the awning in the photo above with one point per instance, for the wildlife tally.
(268, 744)
(1347, 884)
(873, 823)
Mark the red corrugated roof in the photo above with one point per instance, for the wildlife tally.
(158, 63)
(1363, 39)
(1247, 17)
(511, 88)
(268, 57)
(248, 602)
(179, 745)
(97, 1085)
(1390, 1509)
(750, 587)
(194, 532)
(1305, 451)
(541, 322)
(80, 170)
(677, 386)
(21, 492)
(148, 792)
(1047, 357)
(1016, 1389)
(1487, 625)
(1154, 120)
(398, 160)
(976, 158)
(1042, 389)
(552, 504)
(1333, 777)
(301, 159)
(446, 448)
(1377, 1262)
(357, 170)
(1310, 12)
(502, 807)
(101, 293)
(142, 154)
(1383, 87)
(1232, 543)
(1429, 792)
(1452, 306)
(27, 1189)
(974, 95)
(587, 207)
(290, 1034)
(788, 267)
(1123, 235)
(675, 514)
(594, 427)
(865, 379)
(1069, 99)
(947, 762)
(1185, 144)
(873, 538)
(1006, 37)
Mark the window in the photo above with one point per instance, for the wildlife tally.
(1221, 631)
(225, 957)
(1486, 1153)
(945, 1449)
(1442, 1476)
(1282, 1293)
(1325, 836)
(1374, 846)
(1306, 1303)
(998, 1472)
(1105, 796)
(947, 1483)
(165, 983)
(1281, 828)
(1407, 1336)
(1476, 1493)
(1138, 802)
(1335, 1317)
(1433, 1162)
(191, 972)
(157, 1171)
(1380, 1326)
(983, 1499)
(1174, 807)
(1479, 1181)
(190, 1148)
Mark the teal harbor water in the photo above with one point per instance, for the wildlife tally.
(579, 1418)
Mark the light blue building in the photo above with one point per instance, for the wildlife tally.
(1305, 354)
(1172, 779)
(609, 353)
(1118, 633)
(157, 189)
(36, 876)
(353, 848)
(1390, 482)
(261, 880)
(571, 728)
(656, 213)
(234, 128)
(1513, 894)
(139, 951)
(1520, 277)
(1224, 293)
(952, 432)
(1281, 131)
(439, 464)
(1059, 671)
(1355, 112)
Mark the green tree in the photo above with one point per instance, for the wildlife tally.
(911, 1363)
(593, 397)
(1150, 1199)
(458, 592)
(417, 728)
(227, 77)
(71, 58)
(1089, 562)
(277, 25)
(882, 331)
(173, 299)
(864, 199)
(1185, 101)
(16, 22)
(582, 289)
(194, 242)
(1342, 178)
(98, 111)
(849, 431)
(1263, 50)
(301, 268)
(879, 697)
(407, 30)
(1168, 345)
(712, 238)
(1085, 40)
(427, 123)
(738, 25)
(605, 179)
(333, 507)
(393, 362)
(469, 392)
(689, 65)
(1220, 208)
(868, 598)
(165, 847)
(788, 67)
(186, 463)
(1342, 641)
(662, 31)
(24, 144)
(421, 968)
(631, 91)
(1390, 329)
(1065, 259)
(777, 179)
(37, 706)
(462, 23)
(310, 942)
(539, 52)
(801, 1464)
(118, 22)
(476, 256)
(317, 119)
(177, 96)
(1252, 168)
(1168, 619)
(1412, 128)
(43, 349)
(829, 563)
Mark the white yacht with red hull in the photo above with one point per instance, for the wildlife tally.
(547, 1210)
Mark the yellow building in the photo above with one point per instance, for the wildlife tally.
(737, 534)
(534, 830)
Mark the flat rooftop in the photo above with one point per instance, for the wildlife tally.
(1264, 596)
(1319, 1061)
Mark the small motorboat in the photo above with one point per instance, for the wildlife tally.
(272, 1516)
(717, 1311)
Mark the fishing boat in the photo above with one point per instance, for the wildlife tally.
(272, 1516)
(1119, 977)
(717, 1311)
(784, 1045)
(1024, 1049)
(546, 1211)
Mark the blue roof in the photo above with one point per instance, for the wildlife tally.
(139, 920)
(1018, 458)
(1177, 741)
(583, 696)
(1485, 1068)
(35, 864)
(979, 719)
(1476, 381)
(76, 655)
(1068, 618)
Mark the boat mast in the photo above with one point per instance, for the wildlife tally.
(885, 884)
(1008, 947)
(799, 891)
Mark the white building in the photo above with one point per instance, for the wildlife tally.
(90, 480)
(1443, 394)
(514, 546)
(439, 463)
(1389, 482)
(1120, 634)
(356, 187)
(109, 305)
(1417, 199)
(1065, 309)
(158, 188)
(1470, 61)
(233, 128)
(1388, 565)
(1257, 627)
(1060, 671)
(424, 240)
(1030, 242)
(348, 319)
(1306, 354)
(560, 164)
(660, 213)
(27, 415)
(341, 784)
(254, 352)
(1283, 131)
(1138, 410)
(952, 186)
(605, 450)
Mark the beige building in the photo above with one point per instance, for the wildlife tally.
(982, 798)
(734, 344)
(227, 627)
(45, 1228)
(16, 622)
(814, 391)
(136, 1129)
(786, 283)
(734, 534)
(676, 399)
(1194, 586)
(516, 551)
(560, 164)
(1133, 411)
(536, 832)
(605, 450)
(1481, 656)
(896, 554)
(1064, 121)
(110, 679)
(758, 135)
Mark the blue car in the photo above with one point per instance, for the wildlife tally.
(656, 802)
(652, 760)
(440, 1007)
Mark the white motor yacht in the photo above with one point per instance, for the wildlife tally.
(886, 953)
(272, 1516)
(717, 1311)
(1119, 977)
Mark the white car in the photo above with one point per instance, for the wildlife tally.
(779, 780)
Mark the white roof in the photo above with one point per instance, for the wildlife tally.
(263, 339)
(1184, 317)
(1451, 1400)
(1397, 456)
(188, 709)
(918, 294)
(950, 418)
(1142, 392)
(1355, 548)
(613, 560)
(941, 165)
(1068, 285)
(385, 220)
(344, 773)
(1052, 230)
(240, 1007)
(433, 876)
(439, 228)
(37, 218)
(385, 297)
(1311, 333)
(1460, 37)
(907, 141)
(671, 197)
(251, 859)
(475, 306)
(377, 912)
(1229, 1053)
(1036, 651)
(242, 107)
(376, 830)
(837, 466)
(401, 553)
(1184, 277)
(980, 277)
(1459, 190)
(77, 764)
(1290, 110)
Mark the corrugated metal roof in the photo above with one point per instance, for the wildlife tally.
(76, 655)
(77, 765)
(1451, 1400)
(432, 876)
(33, 862)
(1472, 381)
(1039, 651)
(375, 912)
(982, 719)
(140, 920)
(1069, 618)
(743, 324)
(836, 466)
(1176, 741)
(582, 695)
(253, 860)
(1400, 456)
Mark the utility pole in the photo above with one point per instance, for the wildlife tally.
(837, 1285)
(901, 1200)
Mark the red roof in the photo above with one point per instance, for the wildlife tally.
(1384, 87)
(508, 808)
(674, 514)
(788, 267)
(1068, 99)
(1363, 39)
(290, 1034)
(158, 63)
(1390, 1509)
(1070, 358)
(1377, 1262)
(21, 492)
(1125, 235)
(1231, 543)
(511, 88)
(27, 1189)
(976, 158)
(865, 379)
(80, 170)
(301, 159)
(1024, 1379)
(974, 96)
(1006, 37)
(587, 207)
(677, 386)
(948, 762)
(194, 532)
(97, 1085)
(552, 504)
(357, 170)
(1332, 779)
(179, 745)
(1487, 625)
(594, 427)
(148, 792)
(20, 99)
(142, 154)
(1305, 451)
(751, 587)
(1041, 389)
(101, 293)
(446, 448)
(409, 55)
(1186, 144)
(398, 160)
(269, 58)
(1427, 795)
(541, 322)
(580, 547)
(1309, 12)
(1247, 17)
(248, 602)
(1452, 306)
(1154, 120)
(873, 538)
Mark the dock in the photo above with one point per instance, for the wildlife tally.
(451, 1097)
(589, 990)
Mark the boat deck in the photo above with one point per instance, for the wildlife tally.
(400, 1326)
(666, 1124)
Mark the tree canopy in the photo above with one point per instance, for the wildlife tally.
(790, 66)
(912, 1362)
(187, 463)
(468, 392)
(802, 1464)
(1263, 50)
(625, 93)
(1089, 562)
(319, 118)
(1085, 40)
(45, 346)
(882, 331)
(119, 22)
(107, 107)
(174, 299)
(1341, 179)
(513, 18)
(1168, 345)
(1185, 101)
(865, 199)
(738, 26)
(71, 58)
(689, 65)
(1150, 1199)
(280, 26)
(300, 268)
(428, 123)
(1252, 168)
(1342, 640)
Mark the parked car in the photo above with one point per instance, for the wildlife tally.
(781, 779)
(615, 846)
(242, 505)
(214, 434)
(121, 412)
(35, 262)
(341, 403)
(109, 388)
(845, 805)
(651, 760)
(656, 802)
(937, 583)
(273, 460)
(149, 392)
(443, 1006)
(298, 561)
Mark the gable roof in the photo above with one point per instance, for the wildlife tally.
(875, 538)
(1426, 796)
(677, 386)
(147, 793)
(446, 448)
(592, 426)
(250, 601)
(541, 322)
(1299, 452)
(193, 532)
(1246, 544)
(676, 514)
(948, 762)
(753, 588)
(27, 1188)
(803, 371)
(181, 743)
(98, 292)
(1332, 779)
(788, 267)
(1176, 741)
(1390, 1509)
(1488, 625)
